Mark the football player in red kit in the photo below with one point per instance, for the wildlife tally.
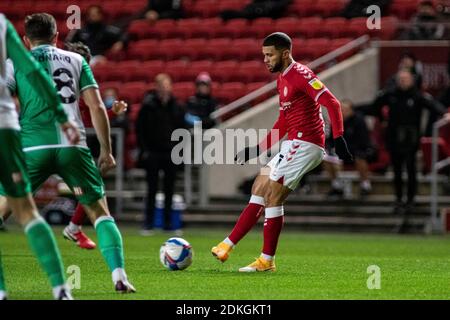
(301, 94)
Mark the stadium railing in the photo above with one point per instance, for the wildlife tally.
(436, 165)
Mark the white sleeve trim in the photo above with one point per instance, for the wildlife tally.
(89, 86)
(320, 93)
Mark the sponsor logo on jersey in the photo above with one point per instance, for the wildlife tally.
(316, 84)
(285, 91)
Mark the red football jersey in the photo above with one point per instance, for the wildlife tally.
(299, 89)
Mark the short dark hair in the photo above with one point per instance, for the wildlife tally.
(279, 40)
(80, 48)
(40, 27)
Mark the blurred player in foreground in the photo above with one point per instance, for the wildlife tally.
(13, 173)
(301, 94)
(48, 152)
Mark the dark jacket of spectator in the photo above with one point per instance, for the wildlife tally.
(258, 9)
(201, 106)
(166, 9)
(358, 8)
(404, 115)
(156, 122)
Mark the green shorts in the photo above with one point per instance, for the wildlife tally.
(13, 173)
(75, 165)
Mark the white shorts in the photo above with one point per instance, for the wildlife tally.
(295, 159)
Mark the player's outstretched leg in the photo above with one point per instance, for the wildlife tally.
(73, 231)
(110, 244)
(273, 224)
(246, 221)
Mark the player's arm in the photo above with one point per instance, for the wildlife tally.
(100, 121)
(39, 80)
(277, 132)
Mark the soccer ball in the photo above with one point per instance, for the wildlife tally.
(176, 254)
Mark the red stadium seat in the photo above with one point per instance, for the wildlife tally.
(251, 71)
(288, 25)
(168, 48)
(144, 50)
(148, 70)
(184, 28)
(403, 9)
(110, 84)
(124, 71)
(160, 29)
(356, 28)
(327, 8)
(139, 29)
(230, 91)
(102, 71)
(205, 8)
(309, 27)
(190, 49)
(215, 48)
(183, 90)
(243, 49)
(175, 69)
(332, 27)
(207, 28)
(260, 28)
(133, 91)
(194, 68)
(317, 47)
(222, 71)
(233, 28)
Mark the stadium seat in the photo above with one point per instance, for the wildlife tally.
(167, 49)
(102, 71)
(133, 91)
(207, 28)
(356, 28)
(403, 9)
(251, 71)
(327, 8)
(233, 29)
(183, 28)
(332, 27)
(160, 29)
(205, 8)
(243, 49)
(144, 50)
(175, 68)
(223, 70)
(309, 27)
(194, 68)
(190, 49)
(183, 90)
(138, 29)
(124, 71)
(214, 49)
(316, 47)
(230, 91)
(260, 28)
(288, 25)
(148, 70)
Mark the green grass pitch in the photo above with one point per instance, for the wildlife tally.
(310, 266)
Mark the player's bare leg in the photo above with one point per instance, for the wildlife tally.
(274, 198)
(248, 217)
(5, 211)
(110, 243)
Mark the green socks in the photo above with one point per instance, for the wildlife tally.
(110, 242)
(2, 279)
(43, 244)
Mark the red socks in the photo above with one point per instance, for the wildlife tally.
(272, 229)
(79, 215)
(247, 219)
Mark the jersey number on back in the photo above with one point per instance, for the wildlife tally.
(64, 85)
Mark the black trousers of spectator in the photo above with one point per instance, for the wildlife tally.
(399, 158)
(155, 163)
